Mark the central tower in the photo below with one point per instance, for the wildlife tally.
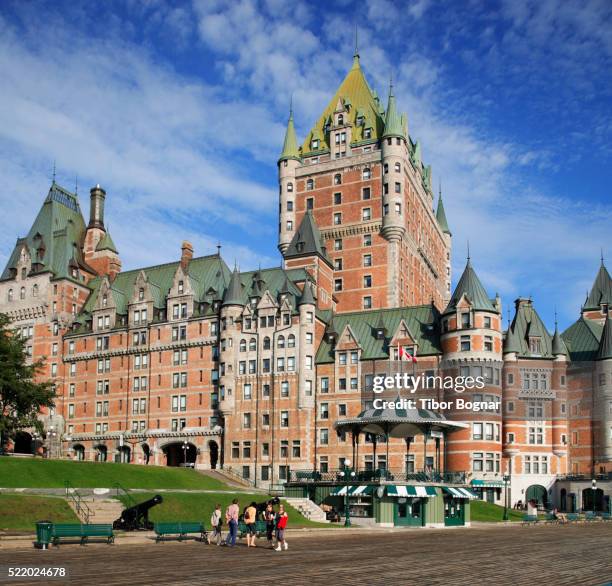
(360, 175)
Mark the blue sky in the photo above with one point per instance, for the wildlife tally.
(178, 110)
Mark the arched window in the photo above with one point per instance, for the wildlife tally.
(289, 187)
(310, 184)
(367, 174)
(398, 167)
(291, 341)
(242, 345)
(10, 295)
(22, 293)
(266, 343)
(181, 287)
(104, 300)
(337, 179)
(281, 342)
(252, 344)
(140, 294)
(340, 119)
(35, 291)
(23, 273)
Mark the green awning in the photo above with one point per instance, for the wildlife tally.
(487, 483)
(460, 493)
(411, 491)
(362, 489)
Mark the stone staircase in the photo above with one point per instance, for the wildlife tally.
(308, 508)
(101, 510)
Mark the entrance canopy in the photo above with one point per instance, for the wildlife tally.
(398, 423)
(487, 483)
(353, 490)
(411, 491)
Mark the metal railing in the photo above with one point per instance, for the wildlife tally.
(122, 492)
(380, 475)
(585, 477)
(232, 474)
(82, 510)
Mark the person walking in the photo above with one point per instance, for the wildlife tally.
(231, 516)
(217, 522)
(281, 524)
(250, 520)
(269, 517)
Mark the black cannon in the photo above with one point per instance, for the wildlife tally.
(137, 517)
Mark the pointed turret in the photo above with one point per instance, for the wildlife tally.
(469, 285)
(558, 345)
(393, 121)
(601, 292)
(441, 216)
(512, 344)
(605, 344)
(233, 293)
(307, 240)
(106, 243)
(307, 297)
(290, 146)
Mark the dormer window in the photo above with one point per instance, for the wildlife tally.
(340, 119)
(140, 294)
(360, 120)
(181, 287)
(75, 274)
(535, 345)
(104, 300)
(604, 308)
(314, 144)
(367, 133)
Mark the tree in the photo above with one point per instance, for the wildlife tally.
(21, 397)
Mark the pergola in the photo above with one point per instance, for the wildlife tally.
(398, 423)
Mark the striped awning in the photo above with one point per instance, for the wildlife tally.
(460, 493)
(411, 491)
(487, 483)
(362, 489)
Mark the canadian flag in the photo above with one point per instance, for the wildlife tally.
(405, 355)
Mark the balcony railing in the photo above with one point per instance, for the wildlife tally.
(585, 477)
(380, 475)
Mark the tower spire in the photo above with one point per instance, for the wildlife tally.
(290, 146)
(356, 53)
(54, 171)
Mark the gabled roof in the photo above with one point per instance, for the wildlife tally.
(307, 240)
(469, 285)
(355, 91)
(55, 238)
(605, 344)
(422, 321)
(601, 292)
(290, 146)
(526, 324)
(582, 339)
(441, 217)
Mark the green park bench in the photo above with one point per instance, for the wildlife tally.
(590, 516)
(551, 518)
(530, 519)
(82, 532)
(605, 516)
(182, 529)
(260, 528)
(573, 517)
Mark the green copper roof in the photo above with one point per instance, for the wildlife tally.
(605, 345)
(307, 240)
(525, 325)
(601, 292)
(393, 121)
(422, 321)
(582, 339)
(441, 217)
(233, 293)
(290, 146)
(106, 243)
(55, 238)
(469, 285)
(558, 345)
(353, 90)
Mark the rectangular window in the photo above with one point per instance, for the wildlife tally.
(465, 343)
(366, 193)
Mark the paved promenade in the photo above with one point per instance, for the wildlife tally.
(574, 555)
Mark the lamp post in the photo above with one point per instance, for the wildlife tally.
(185, 444)
(594, 488)
(347, 473)
(506, 481)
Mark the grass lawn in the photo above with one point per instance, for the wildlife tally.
(38, 473)
(490, 513)
(20, 512)
(199, 507)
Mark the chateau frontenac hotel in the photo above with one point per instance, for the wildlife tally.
(269, 374)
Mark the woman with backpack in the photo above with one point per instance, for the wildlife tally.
(217, 522)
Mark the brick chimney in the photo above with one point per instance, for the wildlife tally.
(186, 254)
